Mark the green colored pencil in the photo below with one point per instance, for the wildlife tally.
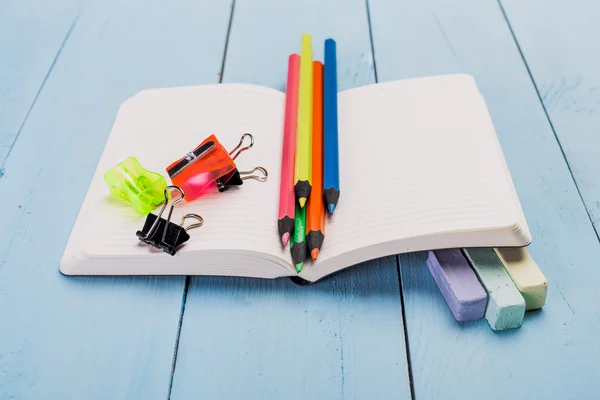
(299, 248)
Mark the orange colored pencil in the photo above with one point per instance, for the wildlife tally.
(315, 213)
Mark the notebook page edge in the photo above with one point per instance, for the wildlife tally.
(418, 79)
(493, 237)
(199, 263)
(521, 226)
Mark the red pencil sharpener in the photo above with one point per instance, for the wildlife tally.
(208, 165)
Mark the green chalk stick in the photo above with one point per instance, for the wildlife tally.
(506, 305)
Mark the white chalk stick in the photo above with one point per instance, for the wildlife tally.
(506, 306)
(526, 275)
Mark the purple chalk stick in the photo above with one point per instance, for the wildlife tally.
(458, 283)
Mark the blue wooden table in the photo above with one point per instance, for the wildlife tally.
(377, 331)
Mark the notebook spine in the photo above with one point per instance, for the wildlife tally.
(300, 281)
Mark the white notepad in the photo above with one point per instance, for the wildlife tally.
(421, 168)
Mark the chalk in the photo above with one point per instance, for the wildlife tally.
(526, 275)
(458, 283)
(506, 306)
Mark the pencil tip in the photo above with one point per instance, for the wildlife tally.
(302, 201)
(285, 238)
(299, 267)
(314, 254)
(330, 197)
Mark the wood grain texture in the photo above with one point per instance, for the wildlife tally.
(560, 42)
(473, 37)
(32, 34)
(261, 339)
(340, 338)
(92, 338)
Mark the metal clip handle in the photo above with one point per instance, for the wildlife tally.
(154, 226)
(239, 147)
(261, 178)
(192, 226)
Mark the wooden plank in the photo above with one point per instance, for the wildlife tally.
(560, 42)
(31, 36)
(92, 338)
(342, 337)
(466, 360)
(246, 338)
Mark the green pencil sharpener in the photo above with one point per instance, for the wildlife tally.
(141, 188)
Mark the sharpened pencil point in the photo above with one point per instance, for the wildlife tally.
(299, 252)
(314, 241)
(331, 196)
(285, 227)
(314, 254)
(302, 190)
(302, 201)
(299, 267)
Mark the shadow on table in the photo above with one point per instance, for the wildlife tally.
(373, 278)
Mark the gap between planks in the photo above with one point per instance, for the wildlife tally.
(537, 92)
(406, 341)
(403, 312)
(187, 278)
(37, 95)
(178, 335)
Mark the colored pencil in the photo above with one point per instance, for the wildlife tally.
(315, 213)
(302, 179)
(331, 175)
(298, 243)
(286, 186)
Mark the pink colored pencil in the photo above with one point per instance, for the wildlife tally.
(286, 186)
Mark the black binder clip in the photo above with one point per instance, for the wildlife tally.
(164, 234)
(237, 178)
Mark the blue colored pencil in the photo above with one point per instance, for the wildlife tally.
(331, 170)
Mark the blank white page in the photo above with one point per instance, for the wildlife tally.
(420, 168)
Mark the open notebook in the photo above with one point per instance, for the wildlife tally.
(420, 168)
